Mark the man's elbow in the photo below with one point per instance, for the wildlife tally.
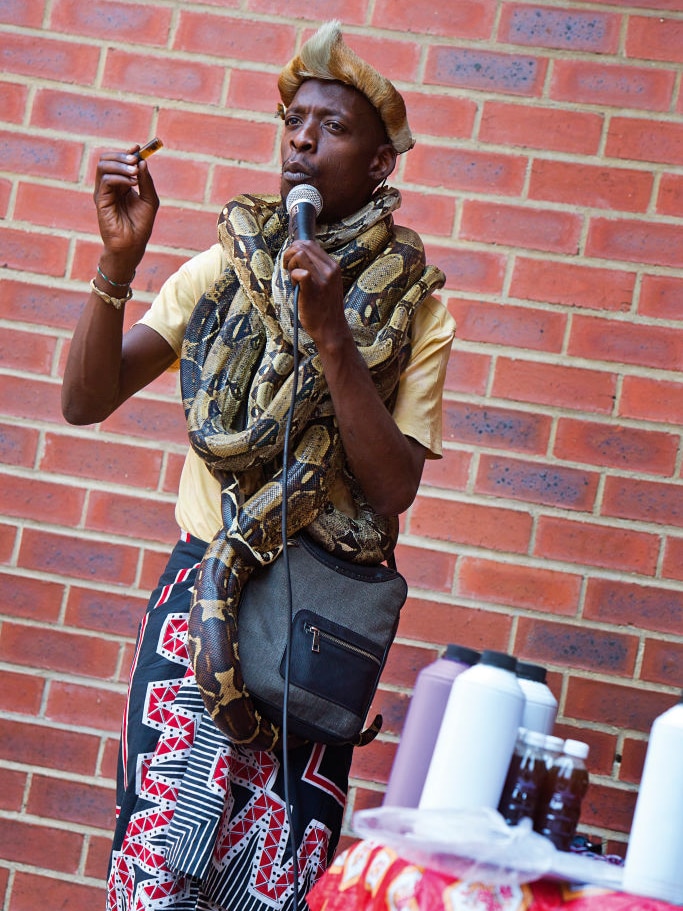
(79, 411)
(395, 501)
(73, 415)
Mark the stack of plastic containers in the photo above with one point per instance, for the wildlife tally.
(478, 733)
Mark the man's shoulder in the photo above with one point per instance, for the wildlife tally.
(207, 264)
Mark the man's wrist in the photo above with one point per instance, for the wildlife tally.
(341, 361)
(116, 272)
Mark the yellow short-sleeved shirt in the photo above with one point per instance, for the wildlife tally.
(418, 405)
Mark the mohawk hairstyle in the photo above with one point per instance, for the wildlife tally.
(326, 56)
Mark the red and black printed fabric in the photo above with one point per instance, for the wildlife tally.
(201, 823)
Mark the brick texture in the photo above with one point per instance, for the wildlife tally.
(546, 181)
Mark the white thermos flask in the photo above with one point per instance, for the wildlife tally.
(540, 707)
(654, 858)
(477, 736)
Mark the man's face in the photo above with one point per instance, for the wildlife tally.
(334, 140)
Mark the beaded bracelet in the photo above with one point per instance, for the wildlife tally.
(116, 302)
(115, 284)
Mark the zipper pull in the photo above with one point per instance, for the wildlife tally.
(315, 632)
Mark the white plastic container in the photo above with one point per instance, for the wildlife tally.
(654, 859)
(421, 728)
(540, 708)
(476, 738)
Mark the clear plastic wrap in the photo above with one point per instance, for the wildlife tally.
(474, 845)
(478, 846)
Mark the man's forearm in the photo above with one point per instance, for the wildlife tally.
(91, 375)
(387, 464)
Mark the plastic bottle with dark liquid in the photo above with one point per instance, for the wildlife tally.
(525, 779)
(554, 747)
(559, 808)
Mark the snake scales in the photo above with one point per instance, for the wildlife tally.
(236, 379)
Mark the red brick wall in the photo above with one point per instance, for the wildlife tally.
(548, 183)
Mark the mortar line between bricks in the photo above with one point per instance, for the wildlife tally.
(46, 873)
(109, 736)
(112, 684)
(59, 774)
(133, 591)
(101, 685)
(94, 484)
(534, 561)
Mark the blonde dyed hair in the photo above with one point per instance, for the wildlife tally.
(326, 56)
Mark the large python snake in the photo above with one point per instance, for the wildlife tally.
(236, 377)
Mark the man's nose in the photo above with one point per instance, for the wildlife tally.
(306, 136)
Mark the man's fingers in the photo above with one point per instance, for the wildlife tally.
(299, 275)
(146, 185)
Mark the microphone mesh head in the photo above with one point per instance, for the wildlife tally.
(304, 192)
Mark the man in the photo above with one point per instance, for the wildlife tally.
(201, 817)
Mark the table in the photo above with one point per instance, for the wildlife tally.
(371, 877)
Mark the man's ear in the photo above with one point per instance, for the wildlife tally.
(383, 163)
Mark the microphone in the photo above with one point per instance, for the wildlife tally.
(304, 204)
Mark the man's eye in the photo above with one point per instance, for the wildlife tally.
(291, 120)
(334, 126)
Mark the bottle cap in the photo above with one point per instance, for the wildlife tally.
(534, 738)
(554, 743)
(576, 748)
(462, 654)
(531, 671)
(498, 659)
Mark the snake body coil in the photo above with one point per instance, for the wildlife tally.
(236, 379)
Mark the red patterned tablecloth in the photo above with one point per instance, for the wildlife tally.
(370, 877)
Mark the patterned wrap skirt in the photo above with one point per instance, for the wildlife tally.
(201, 822)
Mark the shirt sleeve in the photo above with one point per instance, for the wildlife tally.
(172, 307)
(418, 411)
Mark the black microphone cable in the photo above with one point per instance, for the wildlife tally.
(303, 204)
(288, 579)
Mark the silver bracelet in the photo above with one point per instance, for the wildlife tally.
(116, 302)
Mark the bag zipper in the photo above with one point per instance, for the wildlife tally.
(319, 634)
